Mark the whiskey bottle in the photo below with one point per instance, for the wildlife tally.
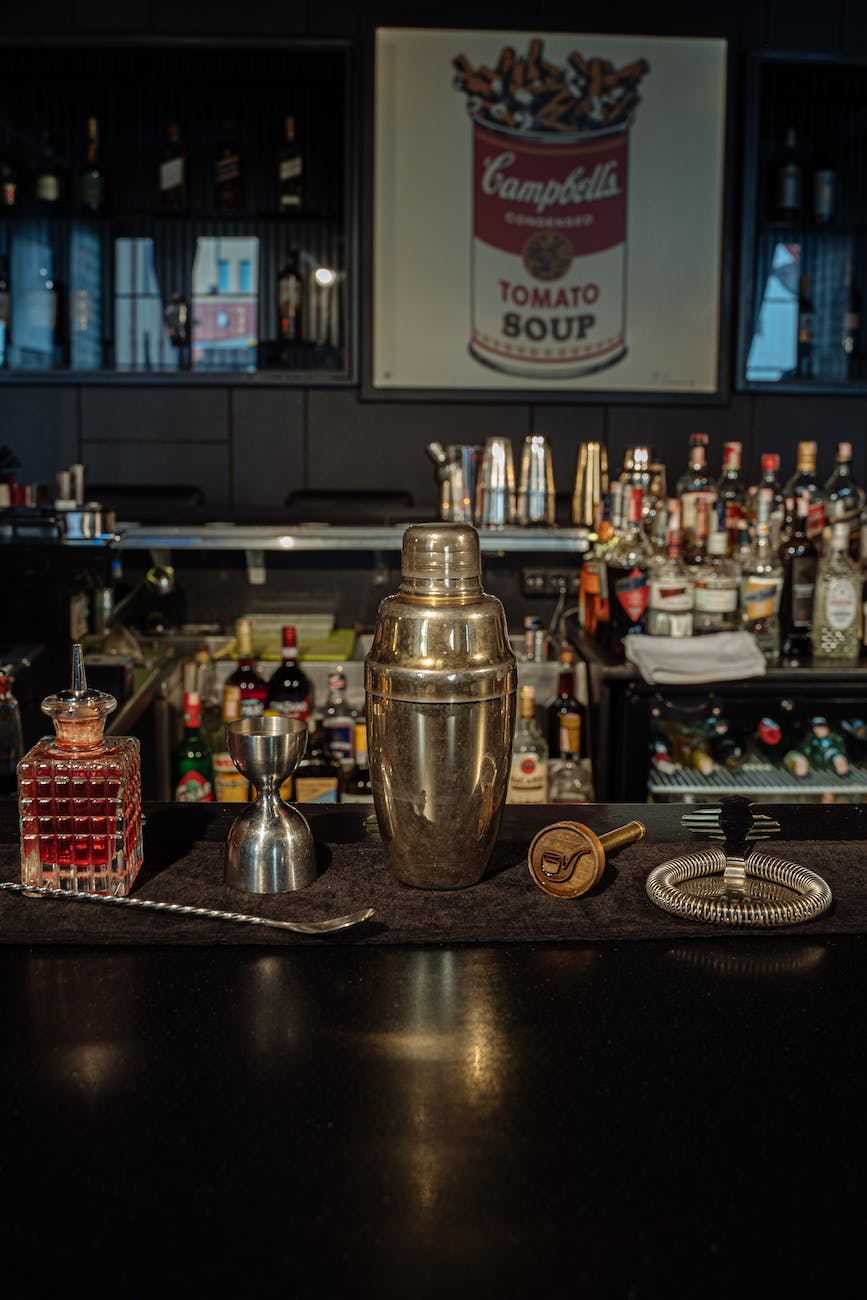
(805, 477)
(355, 783)
(837, 607)
(799, 557)
(568, 779)
(290, 171)
(761, 585)
(229, 175)
(253, 687)
(844, 499)
(528, 774)
(230, 785)
(91, 181)
(193, 759)
(173, 183)
(565, 705)
(317, 776)
(289, 690)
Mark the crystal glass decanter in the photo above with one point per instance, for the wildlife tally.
(79, 797)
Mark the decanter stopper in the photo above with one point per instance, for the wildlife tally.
(79, 713)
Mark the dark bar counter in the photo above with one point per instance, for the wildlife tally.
(677, 1116)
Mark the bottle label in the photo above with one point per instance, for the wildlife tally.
(689, 507)
(789, 191)
(299, 709)
(528, 780)
(671, 595)
(48, 187)
(801, 607)
(339, 739)
(715, 600)
(289, 170)
(193, 787)
(172, 174)
(632, 594)
(815, 518)
(228, 168)
(842, 604)
(316, 789)
(251, 708)
(229, 785)
(761, 597)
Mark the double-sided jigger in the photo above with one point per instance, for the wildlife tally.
(567, 858)
(270, 846)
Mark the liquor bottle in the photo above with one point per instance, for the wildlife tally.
(8, 176)
(762, 585)
(98, 779)
(696, 549)
(727, 749)
(732, 490)
(11, 737)
(91, 181)
(671, 589)
(565, 705)
(229, 175)
(799, 557)
(193, 761)
(535, 640)
(290, 300)
(770, 468)
(5, 310)
(49, 183)
(824, 188)
(804, 367)
(355, 783)
(317, 776)
(290, 171)
(716, 597)
(844, 499)
(694, 485)
(824, 748)
(837, 606)
(593, 596)
(528, 774)
(230, 785)
(290, 692)
(690, 748)
(777, 740)
(850, 335)
(789, 180)
(173, 178)
(568, 774)
(627, 565)
(253, 687)
(338, 720)
(805, 477)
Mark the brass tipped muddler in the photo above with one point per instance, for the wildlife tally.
(567, 858)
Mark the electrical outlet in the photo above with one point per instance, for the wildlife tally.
(549, 582)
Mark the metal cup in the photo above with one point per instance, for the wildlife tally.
(537, 499)
(591, 484)
(270, 845)
(495, 491)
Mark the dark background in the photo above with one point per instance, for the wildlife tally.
(247, 446)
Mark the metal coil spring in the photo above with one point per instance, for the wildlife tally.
(750, 909)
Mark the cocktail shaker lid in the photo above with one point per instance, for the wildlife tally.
(441, 557)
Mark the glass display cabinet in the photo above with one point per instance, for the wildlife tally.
(176, 211)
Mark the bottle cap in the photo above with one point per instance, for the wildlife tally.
(844, 451)
(770, 462)
(441, 559)
(79, 713)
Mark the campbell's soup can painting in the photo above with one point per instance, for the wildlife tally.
(549, 299)
(550, 188)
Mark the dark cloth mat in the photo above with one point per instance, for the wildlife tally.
(505, 907)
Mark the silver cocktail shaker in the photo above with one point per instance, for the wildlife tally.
(440, 695)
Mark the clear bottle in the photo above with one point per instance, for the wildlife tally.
(837, 607)
(317, 776)
(799, 557)
(253, 687)
(844, 499)
(762, 585)
(11, 736)
(566, 705)
(290, 692)
(528, 774)
(805, 477)
(338, 720)
(568, 780)
(694, 485)
(230, 785)
(79, 797)
(356, 785)
(732, 490)
(716, 599)
(627, 565)
(290, 170)
(671, 588)
(769, 479)
(193, 760)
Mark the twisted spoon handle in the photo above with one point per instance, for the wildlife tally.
(210, 914)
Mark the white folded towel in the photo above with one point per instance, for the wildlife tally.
(717, 657)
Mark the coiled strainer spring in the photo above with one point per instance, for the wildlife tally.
(720, 889)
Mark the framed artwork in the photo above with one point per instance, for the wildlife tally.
(547, 213)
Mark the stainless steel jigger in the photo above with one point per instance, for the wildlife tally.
(270, 846)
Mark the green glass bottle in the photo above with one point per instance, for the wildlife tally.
(194, 759)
